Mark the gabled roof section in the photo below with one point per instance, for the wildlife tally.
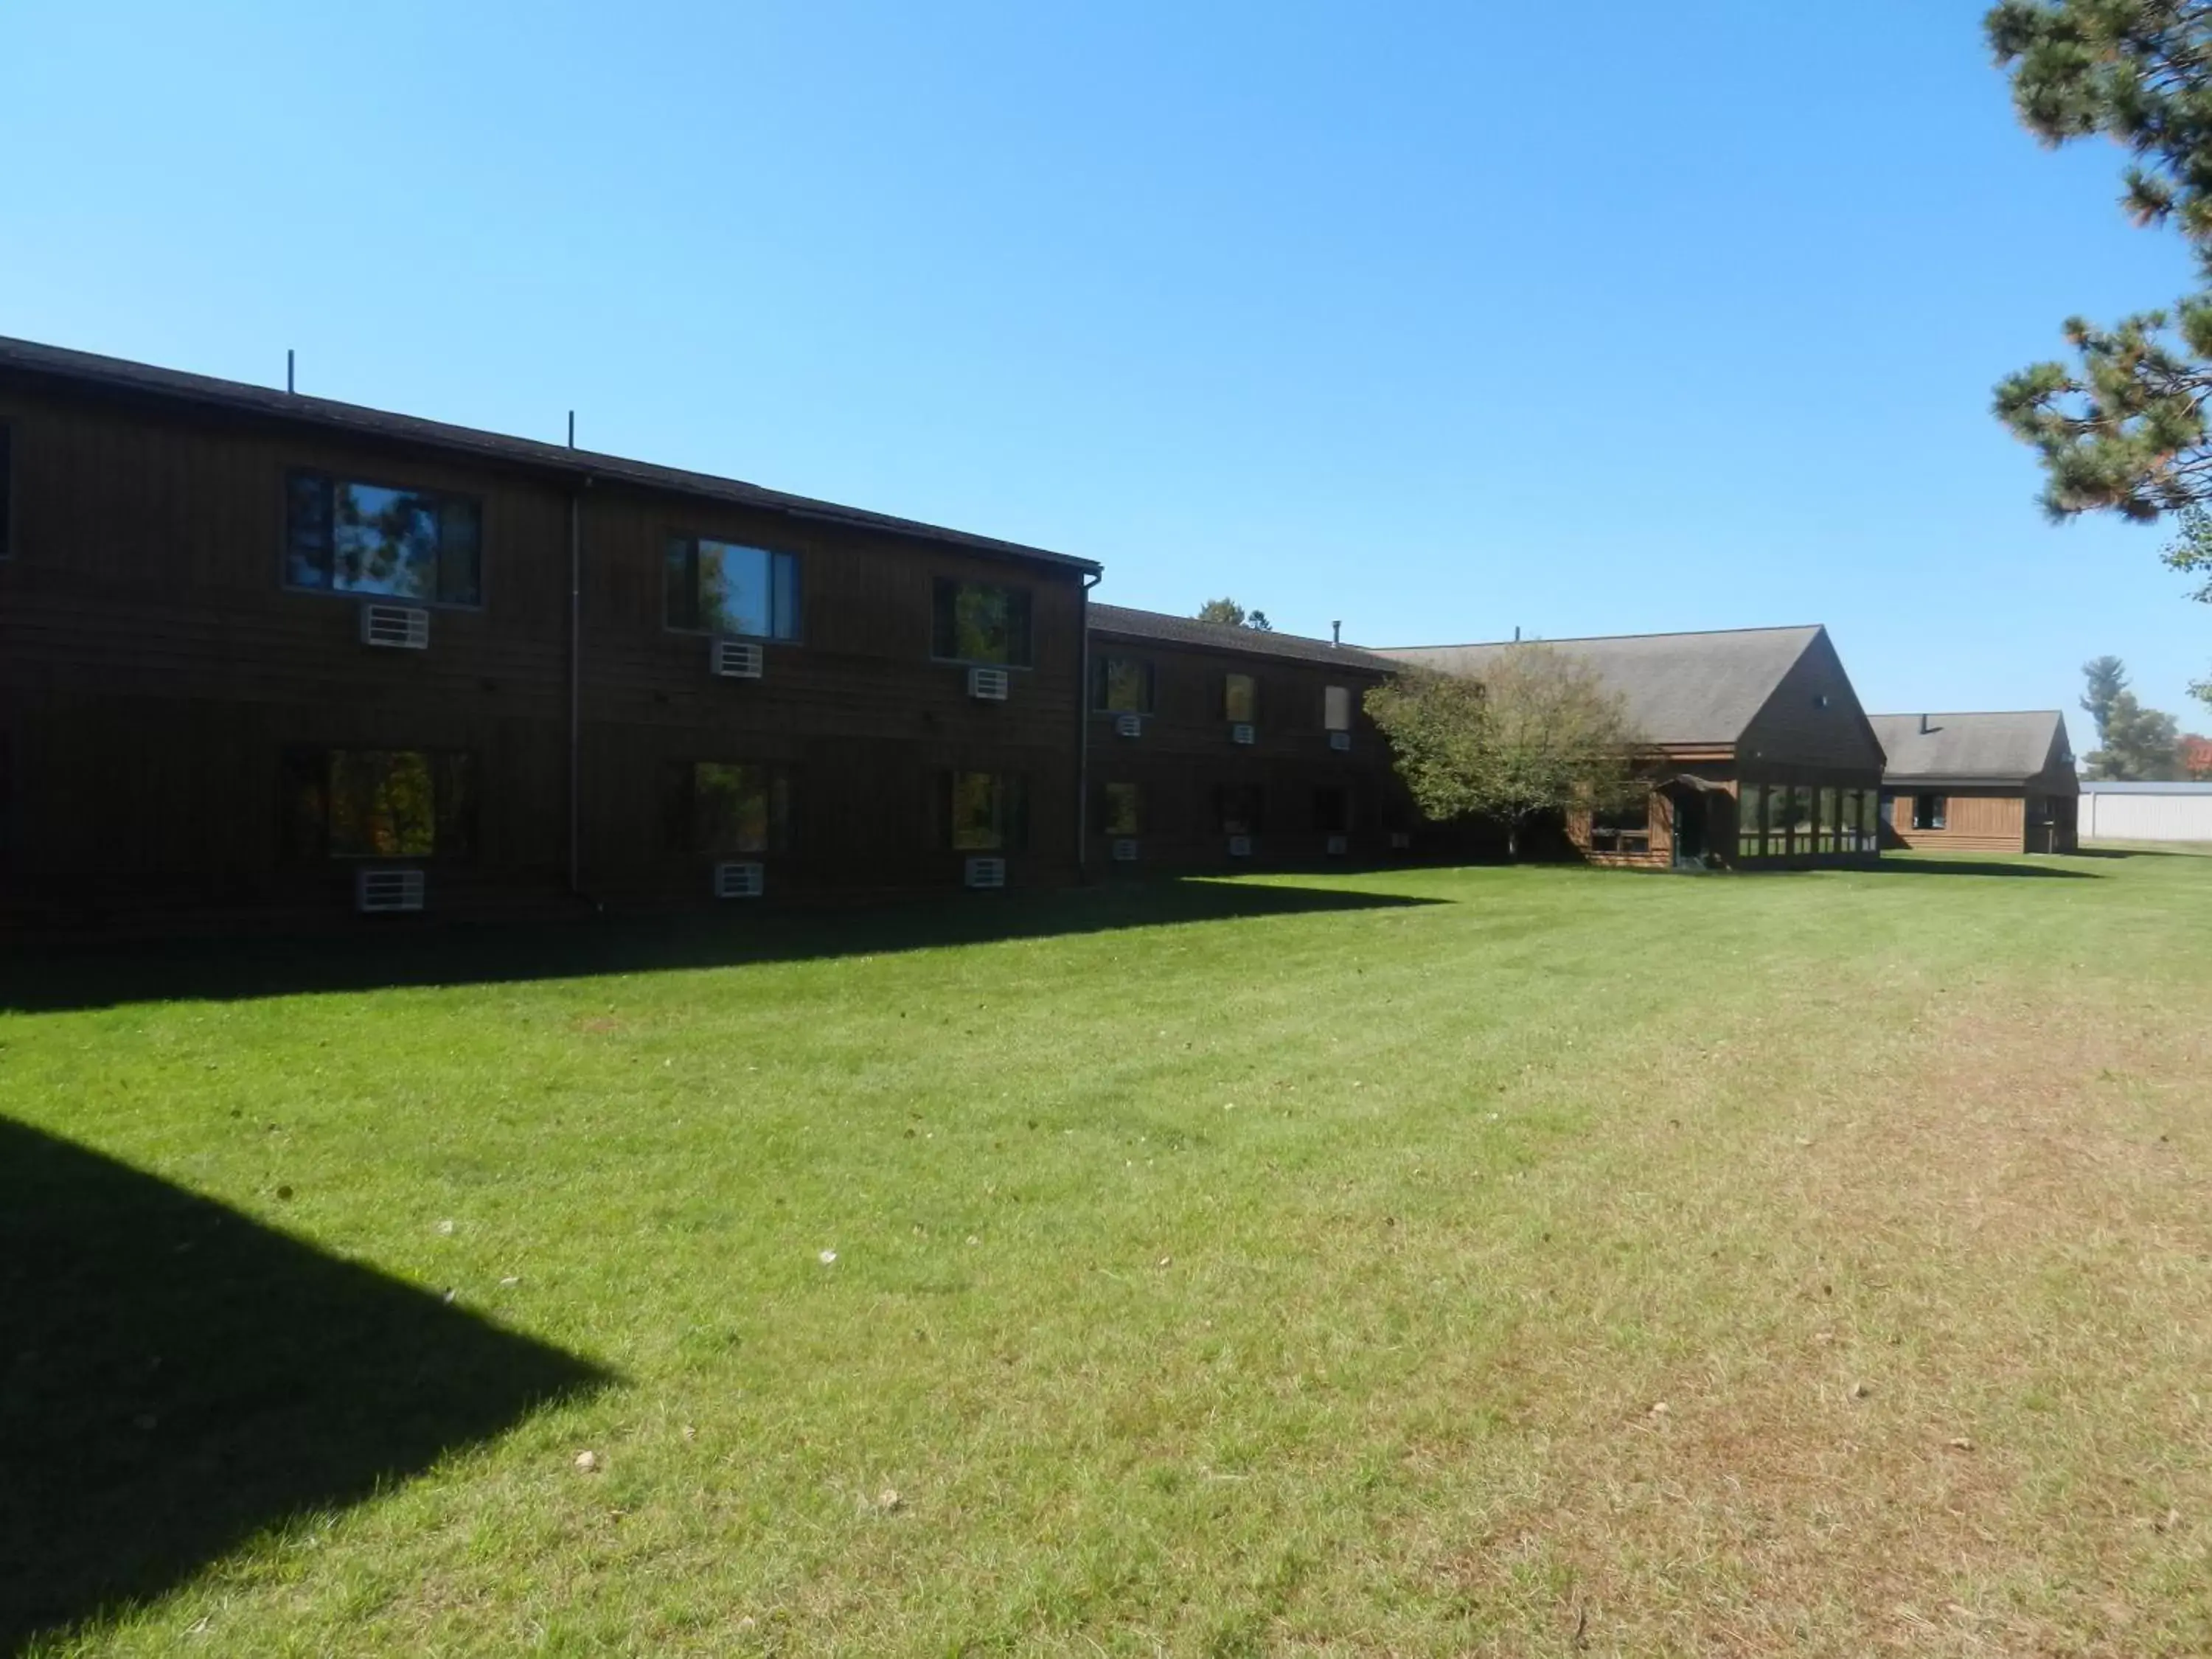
(1120, 622)
(1984, 748)
(118, 375)
(1682, 689)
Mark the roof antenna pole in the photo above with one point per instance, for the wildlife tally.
(571, 428)
(289, 355)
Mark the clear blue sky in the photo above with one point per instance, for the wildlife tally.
(1438, 319)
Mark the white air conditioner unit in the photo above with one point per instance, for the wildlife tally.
(385, 892)
(1339, 741)
(987, 873)
(1240, 847)
(988, 685)
(1128, 726)
(1125, 851)
(1240, 733)
(1338, 846)
(396, 627)
(738, 880)
(736, 659)
(1399, 841)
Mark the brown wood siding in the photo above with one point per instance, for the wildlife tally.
(1811, 729)
(1184, 754)
(154, 668)
(1977, 821)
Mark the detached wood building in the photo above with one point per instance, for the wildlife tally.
(263, 654)
(1986, 782)
(1214, 746)
(1761, 753)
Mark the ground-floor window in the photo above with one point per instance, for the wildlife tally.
(1621, 827)
(1238, 808)
(1928, 812)
(723, 808)
(1782, 820)
(1332, 811)
(378, 803)
(985, 811)
(1120, 809)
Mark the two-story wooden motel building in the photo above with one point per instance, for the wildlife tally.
(1214, 746)
(268, 654)
(1761, 753)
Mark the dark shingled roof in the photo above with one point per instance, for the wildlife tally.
(117, 375)
(1991, 748)
(1681, 688)
(1124, 624)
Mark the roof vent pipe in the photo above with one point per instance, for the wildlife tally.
(1336, 633)
(1926, 725)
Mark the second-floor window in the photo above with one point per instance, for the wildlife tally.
(378, 803)
(727, 807)
(976, 621)
(1336, 708)
(729, 588)
(985, 811)
(1240, 699)
(1121, 686)
(346, 536)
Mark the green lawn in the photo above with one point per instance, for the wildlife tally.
(1514, 1262)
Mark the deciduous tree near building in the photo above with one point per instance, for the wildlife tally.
(1538, 733)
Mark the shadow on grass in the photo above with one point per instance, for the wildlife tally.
(174, 1377)
(1893, 865)
(401, 951)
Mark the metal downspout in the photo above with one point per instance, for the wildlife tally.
(1083, 739)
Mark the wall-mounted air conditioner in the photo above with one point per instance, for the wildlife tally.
(396, 627)
(386, 892)
(1125, 850)
(1240, 847)
(1338, 846)
(1339, 741)
(738, 880)
(1240, 733)
(736, 659)
(1128, 726)
(987, 873)
(988, 685)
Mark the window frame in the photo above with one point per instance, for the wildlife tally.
(1341, 793)
(1252, 684)
(1618, 836)
(1102, 667)
(1110, 824)
(773, 551)
(1028, 597)
(461, 817)
(332, 480)
(1010, 811)
(1750, 804)
(682, 826)
(1254, 795)
(1351, 707)
(1937, 819)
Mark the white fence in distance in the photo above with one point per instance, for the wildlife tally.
(2146, 811)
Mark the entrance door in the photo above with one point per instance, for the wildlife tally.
(1689, 826)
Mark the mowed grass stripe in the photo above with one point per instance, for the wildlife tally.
(1327, 1268)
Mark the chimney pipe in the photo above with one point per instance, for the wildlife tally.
(1926, 726)
(1336, 633)
(1516, 633)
